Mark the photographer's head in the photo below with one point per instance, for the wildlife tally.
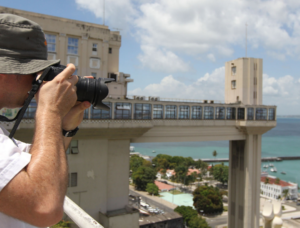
(23, 52)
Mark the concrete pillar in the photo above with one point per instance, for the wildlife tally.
(244, 182)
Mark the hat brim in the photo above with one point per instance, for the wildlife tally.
(24, 66)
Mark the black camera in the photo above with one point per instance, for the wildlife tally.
(88, 89)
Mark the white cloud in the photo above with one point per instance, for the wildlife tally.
(211, 57)
(210, 86)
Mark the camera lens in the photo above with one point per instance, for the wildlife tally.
(92, 90)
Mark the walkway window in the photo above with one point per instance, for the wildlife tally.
(100, 113)
(30, 111)
(241, 113)
(197, 112)
(142, 111)
(230, 115)
(123, 111)
(250, 113)
(220, 113)
(261, 114)
(158, 111)
(208, 113)
(271, 113)
(171, 111)
(184, 112)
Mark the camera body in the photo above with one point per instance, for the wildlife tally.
(88, 89)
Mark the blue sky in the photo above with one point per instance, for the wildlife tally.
(178, 48)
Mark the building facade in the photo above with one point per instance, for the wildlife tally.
(274, 189)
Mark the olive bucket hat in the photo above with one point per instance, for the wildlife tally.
(23, 47)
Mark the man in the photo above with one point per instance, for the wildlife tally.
(33, 178)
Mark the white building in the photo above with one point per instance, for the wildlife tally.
(275, 190)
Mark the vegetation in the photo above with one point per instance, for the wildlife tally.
(191, 217)
(208, 199)
(152, 189)
(137, 161)
(220, 173)
(142, 176)
(267, 180)
(215, 153)
(277, 180)
(62, 224)
(285, 193)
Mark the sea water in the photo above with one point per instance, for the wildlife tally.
(283, 140)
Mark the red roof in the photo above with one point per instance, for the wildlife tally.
(163, 186)
(190, 171)
(272, 181)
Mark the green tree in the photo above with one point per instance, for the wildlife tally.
(181, 172)
(277, 180)
(208, 199)
(285, 193)
(142, 176)
(135, 162)
(220, 173)
(152, 189)
(267, 180)
(191, 218)
(215, 153)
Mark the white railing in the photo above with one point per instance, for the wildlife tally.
(79, 216)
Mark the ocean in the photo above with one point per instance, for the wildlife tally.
(283, 140)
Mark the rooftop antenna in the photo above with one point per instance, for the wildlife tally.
(103, 12)
(246, 38)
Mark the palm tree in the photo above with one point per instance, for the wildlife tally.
(277, 180)
(285, 193)
(215, 153)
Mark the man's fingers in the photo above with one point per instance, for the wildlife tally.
(66, 73)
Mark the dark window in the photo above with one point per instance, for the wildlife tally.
(72, 45)
(233, 84)
(94, 74)
(113, 76)
(208, 113)
(158, 111)
(171, 111)
(86, 114)
(250, 114)
(109, 50)
(197, 112)
(271, 113)
(123, 111)
(261, 114)
(230, 115)
(74, 147)
(220, 113)
(241, 113)
(184, 112)
(100, 113)
(73, 180)
(142, 111)
(94, 47)
(30, 112)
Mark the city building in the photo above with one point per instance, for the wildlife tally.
(99, 154)
(270, 188)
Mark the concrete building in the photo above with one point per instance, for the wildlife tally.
(99, 154)
(274, 190)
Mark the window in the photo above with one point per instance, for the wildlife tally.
(208, 113)
(233, 84)
(100, 113)
(220, 113)
(94, 74)
(171, 111)
(233, 70)
(230, 115)
(74, 147)
(241, 113)
(255, 80)
(72, 46)
(254, 95)
(261, 114)
(86, 114)
(197, 112)
(142, 111)
(51, 42)
(271, 113)
(30, 112)
(94, 47)
(72, 180)
(250, 113)
(157, 111)
(110, 50)
(184, 112)
(123, 111)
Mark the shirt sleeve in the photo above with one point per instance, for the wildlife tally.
(12, 159)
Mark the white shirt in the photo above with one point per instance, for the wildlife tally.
(13, 158)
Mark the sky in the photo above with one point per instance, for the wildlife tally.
(178, 48)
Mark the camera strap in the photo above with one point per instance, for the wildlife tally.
(35, 87)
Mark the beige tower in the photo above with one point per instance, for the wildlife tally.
(243, 81)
